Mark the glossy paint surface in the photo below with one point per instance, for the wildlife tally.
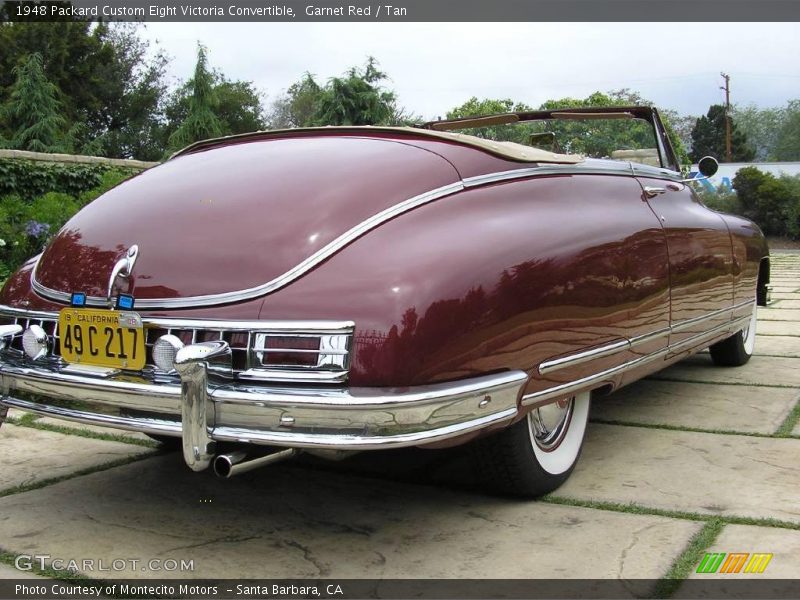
(235, 217)
(700, 257)
(500, 276)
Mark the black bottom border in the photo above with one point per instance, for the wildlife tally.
(398, 589)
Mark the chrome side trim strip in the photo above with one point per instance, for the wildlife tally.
(611, 168)
(678, 327)
(550, 366)
(544, 396)
(677, 347)
(649, 337)
(280, 281)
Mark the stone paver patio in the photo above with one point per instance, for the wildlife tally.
(694, 459)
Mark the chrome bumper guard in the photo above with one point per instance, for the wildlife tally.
(203, 410)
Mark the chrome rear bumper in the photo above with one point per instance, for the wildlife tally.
(203, 411)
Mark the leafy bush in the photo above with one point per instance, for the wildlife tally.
(772, 202)
(29, 179)
(37, 199)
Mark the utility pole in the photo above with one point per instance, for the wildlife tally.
(727, 89)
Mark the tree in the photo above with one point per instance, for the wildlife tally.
(595, 138)
(303, 102)
(787, 144)
(238, 106)
(358, 98)
(33, 111)
(201, 121)
(708, 138)
(112, 84)
(762, 126)
(130, 122)
(490, 106)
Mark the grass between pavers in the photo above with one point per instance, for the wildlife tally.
(31, 420)
(667, 427)
(638, 509)
(709, 382)
(789, 423)
(27, 487)
(687, 561)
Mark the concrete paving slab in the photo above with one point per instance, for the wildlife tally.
(682, 470)
(778, 314)
(39, 455)
(760, 370)
(93, 429)
(681, 404)
(784, 295)
(786, 280)
(777, 345)
(783, 544)
(291, 521)
(781, 304)
(16, 413)
(778, 328)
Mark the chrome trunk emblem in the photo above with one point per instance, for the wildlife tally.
(122, 268)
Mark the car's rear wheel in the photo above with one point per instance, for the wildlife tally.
(537, 454)
(737, 349)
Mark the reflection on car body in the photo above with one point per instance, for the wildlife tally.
(339, 289)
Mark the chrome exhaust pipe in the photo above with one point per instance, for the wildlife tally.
(234, 463)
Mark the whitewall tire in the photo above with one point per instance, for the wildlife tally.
(737, 349)
(537, 454)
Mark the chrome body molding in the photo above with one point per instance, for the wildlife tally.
(588, 167)
(204, 409)
(556, 364)
(596, 379)
(551, 366)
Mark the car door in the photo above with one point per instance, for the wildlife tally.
(700, 260)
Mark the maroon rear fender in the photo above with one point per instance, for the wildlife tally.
(235, 217)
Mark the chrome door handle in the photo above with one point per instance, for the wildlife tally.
(652, 192)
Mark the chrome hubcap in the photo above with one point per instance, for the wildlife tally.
(549, 423)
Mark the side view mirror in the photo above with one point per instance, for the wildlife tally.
(707, 166)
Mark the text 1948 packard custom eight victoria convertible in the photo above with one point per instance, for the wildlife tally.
(339, 289)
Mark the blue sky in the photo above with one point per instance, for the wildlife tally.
(434, 67)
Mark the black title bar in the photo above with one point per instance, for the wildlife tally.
(678, 11)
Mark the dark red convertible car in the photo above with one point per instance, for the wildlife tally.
(339, 289)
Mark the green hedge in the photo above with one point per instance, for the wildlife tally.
(29, 179)
(37, 198)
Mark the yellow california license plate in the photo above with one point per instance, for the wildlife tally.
(103, 338)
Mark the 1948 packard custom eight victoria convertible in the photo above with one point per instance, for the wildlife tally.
(338, 289)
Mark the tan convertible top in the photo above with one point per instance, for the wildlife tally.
(510, 150)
